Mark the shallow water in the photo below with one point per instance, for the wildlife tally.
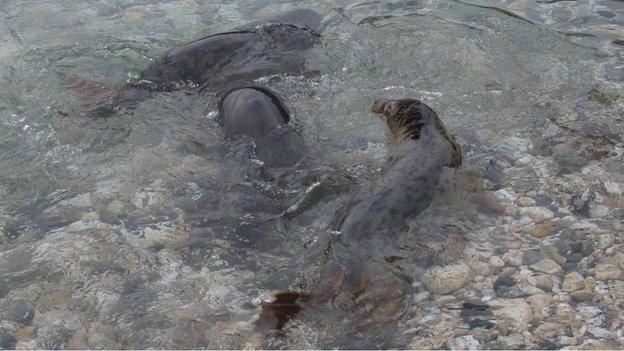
(149, 229)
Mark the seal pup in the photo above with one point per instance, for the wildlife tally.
(357, 272)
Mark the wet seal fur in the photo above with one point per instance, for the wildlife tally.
(225, 60)
(358, 274)
(218, 62)
(257, 112)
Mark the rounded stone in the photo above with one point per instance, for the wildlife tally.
(582, 295)
(525, 201)
(445, 280)
(608, 271)
(542, 281)
(573, 281)
(514, 258)
(544, 229)
(589, 283)
(547, 266)
(497, 261)
(541, 214)
(7, 340)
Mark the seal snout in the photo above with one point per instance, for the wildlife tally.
(378, 105)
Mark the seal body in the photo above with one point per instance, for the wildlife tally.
(358, 273)
(421, 147)
(257, 113)
(230, 59)
(222, 61)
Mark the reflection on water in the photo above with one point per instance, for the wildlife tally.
(150, 229)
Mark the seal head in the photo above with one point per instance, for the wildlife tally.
(256, 112)
(406, 119)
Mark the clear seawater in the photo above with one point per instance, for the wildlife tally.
(145, 230)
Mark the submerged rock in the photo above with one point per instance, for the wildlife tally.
(573, 282)
(547, 266)
(445, 280)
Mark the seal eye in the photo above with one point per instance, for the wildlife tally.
(388, 108)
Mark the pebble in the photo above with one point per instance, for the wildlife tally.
(467, 342)
(608, 271)
(541, 304)
(508, 271)
(532, 256)
(542, 281)
(573, 281)
(480, 268)
(517, 311)
(525, 202)
(445, 280)
(497, 261)
(514, 258)
(538, 214)
(589, 283)
(421, 296)
(604, 241)
(547, 266)
(554, 254)
(7, 340)
(612, 188)
(582, 295)
(544, 229)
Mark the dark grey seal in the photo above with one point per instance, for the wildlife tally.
(256, 112)
(221, 61)
(234, 58)
(357, 272)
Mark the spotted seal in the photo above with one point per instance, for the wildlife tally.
(357, 273)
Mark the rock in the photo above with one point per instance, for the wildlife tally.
(582, 295)
(544, 229)
(7, 340)
(573, 281)
(542, 281)
(480, 268)
(608, 271)
(516, 311)
(18, 311)
(514, 258)
(538, 214)
(467, 342)
(508, 271)
(547, 266)
(619, 259)
(532, 256)
(547, 331)
(525, 202)
(604, 241)
(497, 261)
(592, 344)
(116, 207)
(612, 188)
(554, 254)
(598, 210)
(541, 304)
(423, 295)
(564, 311)
(444, 280)
(589, 283)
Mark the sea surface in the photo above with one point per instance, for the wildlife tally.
(146, 229)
